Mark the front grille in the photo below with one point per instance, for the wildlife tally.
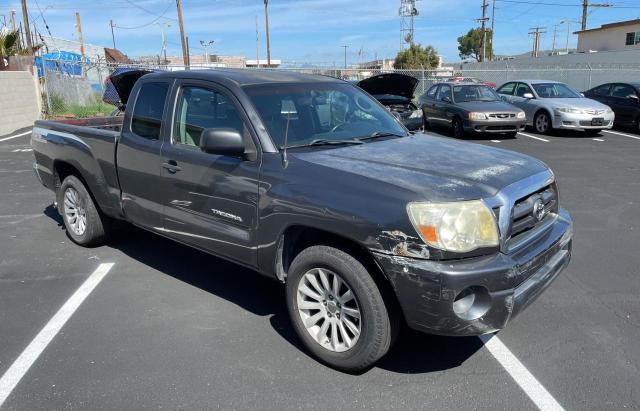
(594, 111)
(501, 128)
(527, 211)
(502, 115)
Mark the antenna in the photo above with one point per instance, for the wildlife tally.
(407, 12)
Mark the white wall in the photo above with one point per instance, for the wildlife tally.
(19, 101)
(607, 39)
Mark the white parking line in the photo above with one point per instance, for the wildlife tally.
(537, 138)
(621, 134)
(495, 141)
(597, 139)
(15, 136)
(529, 384)
(19, 368)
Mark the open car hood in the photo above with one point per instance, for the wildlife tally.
(124, 81)
(390, 83)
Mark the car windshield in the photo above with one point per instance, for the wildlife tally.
(465, 93)
(554, 90)
(320, 113)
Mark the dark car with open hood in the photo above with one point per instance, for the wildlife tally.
(313, 183)
(470, 108)
(395, 91)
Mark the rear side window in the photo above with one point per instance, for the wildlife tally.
(147, 112)
(622, 91)
(507, 89)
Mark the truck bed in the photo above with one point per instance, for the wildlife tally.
(87, 145)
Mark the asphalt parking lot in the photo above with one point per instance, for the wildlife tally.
(167, 326)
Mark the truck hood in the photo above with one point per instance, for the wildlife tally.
(489, 106)
(433, 168)
(391, 84)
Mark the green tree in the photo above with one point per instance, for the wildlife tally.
(417, 57)
(470, 45)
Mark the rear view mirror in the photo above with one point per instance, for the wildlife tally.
(222, 141)
(528, 96)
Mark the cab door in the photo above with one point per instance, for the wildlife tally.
(139, 155)
(526, 104)
(211, 199)
(623, 100)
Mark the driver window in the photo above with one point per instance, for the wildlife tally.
(622, 91)
(199, 108)
(522, 89)
(445, 91)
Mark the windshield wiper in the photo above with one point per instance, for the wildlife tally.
(380, 134)
(327, 142)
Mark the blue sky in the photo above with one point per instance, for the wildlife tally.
(309, 31)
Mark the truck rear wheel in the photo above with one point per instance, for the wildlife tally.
(337, 309)
(84, 223)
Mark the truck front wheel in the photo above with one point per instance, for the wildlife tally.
(337, 309)
(84, 223)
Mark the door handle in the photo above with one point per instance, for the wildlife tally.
(171, 166)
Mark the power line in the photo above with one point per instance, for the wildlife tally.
(162, 16)
(612, 6)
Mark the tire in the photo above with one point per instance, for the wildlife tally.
(592, 132)
(321, 310)
(542, 123)
(458, 128)
(85, 224)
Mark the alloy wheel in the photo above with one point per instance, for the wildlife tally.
(74, 212)
(328, 310)
(542, 123)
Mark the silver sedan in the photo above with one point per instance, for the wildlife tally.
(554, 105)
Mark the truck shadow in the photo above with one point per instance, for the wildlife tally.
(413, 352)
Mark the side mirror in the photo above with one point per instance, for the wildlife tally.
(528, 96)
(582, 94)
(223, 141)
(633, 97)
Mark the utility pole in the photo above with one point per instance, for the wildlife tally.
(345, 56)
(555, 34)
(537, 31)
(188, 52)
(183, 41)
(80, 39)
(585, 11)
(483, 30)
(493, 24)
(257, 40)
(266, 19)
(13, 20)
(113, 37)
(25, 19)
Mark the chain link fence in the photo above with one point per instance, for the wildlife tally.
(75, 90)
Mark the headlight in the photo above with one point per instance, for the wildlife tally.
(416, 114)
(521, 115)
(458, 227)
(477, 116)
(609, 111)
(569, 110)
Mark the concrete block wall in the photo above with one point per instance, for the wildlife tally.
(19, 101)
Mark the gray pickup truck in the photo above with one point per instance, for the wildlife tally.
(311, 181)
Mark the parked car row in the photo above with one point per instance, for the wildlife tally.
(470, 105)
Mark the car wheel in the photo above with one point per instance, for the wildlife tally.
(337, 309)
(84, 223)
(458, 129)
(542, 123)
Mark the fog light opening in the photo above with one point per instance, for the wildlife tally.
(472, 303)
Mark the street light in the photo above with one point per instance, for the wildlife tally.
(345, 56)
(205, 45)
(568, 22)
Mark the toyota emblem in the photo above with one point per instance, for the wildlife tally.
(538, 210)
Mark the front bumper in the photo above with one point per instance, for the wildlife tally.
(507, 283)
(494, 126)
(582, 121)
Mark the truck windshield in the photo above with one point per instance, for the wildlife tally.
(465, 93)
(312, 112)
(554, 90)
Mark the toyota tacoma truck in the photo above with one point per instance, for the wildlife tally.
(311, 181)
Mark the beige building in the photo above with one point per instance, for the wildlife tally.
(623, 35)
